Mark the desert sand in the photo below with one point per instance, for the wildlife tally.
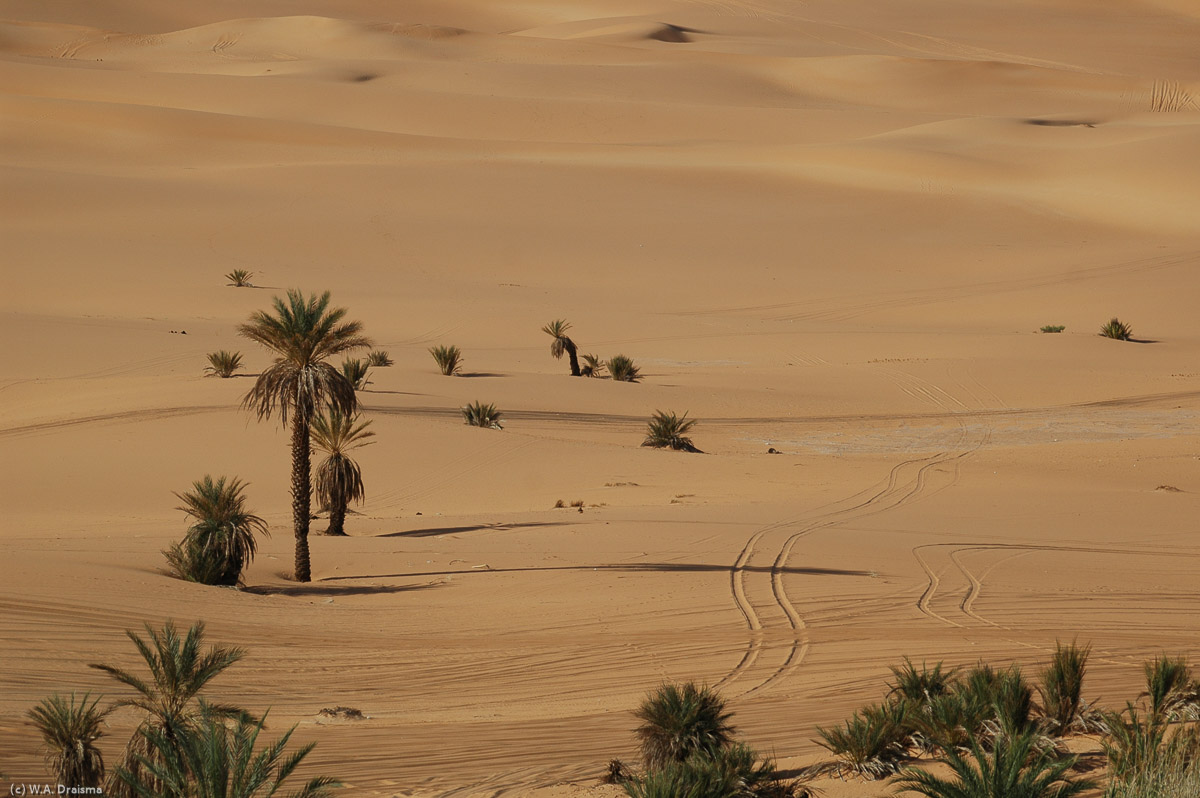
(829, 228)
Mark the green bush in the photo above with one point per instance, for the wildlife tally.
(477, 414)
(448, 358)
(1117, 329)
(623, 369)
(223, 363)
(668, 431)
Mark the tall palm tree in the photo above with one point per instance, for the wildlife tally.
(214, 759)
(303, 333)
(69, 733)
(221, 543)
(179, 670)
(338, 478)
(562, 343)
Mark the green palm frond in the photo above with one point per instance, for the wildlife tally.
(223, 363)
(1063, 708)
(1014, 768)
(378, 358)
(213, 758)
(303, 334)
(682, 720)
(1117, 329)
(239, 278)
(221, 542)
(477, 414)
(593, 366)
(356, 372)
(623, 369)
(668, 431)
(873, 742)
(69, 730)
(448, 359)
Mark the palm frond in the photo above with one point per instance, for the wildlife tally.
(223, 363)
(448, 359)
(356, 371)
(593, 366)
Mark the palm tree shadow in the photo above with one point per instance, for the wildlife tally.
(481, 374)
(320, 590)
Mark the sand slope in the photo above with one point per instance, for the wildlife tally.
(831, 228)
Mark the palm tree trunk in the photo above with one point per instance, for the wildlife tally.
(337, 520)
(301, 493)
(574, 356)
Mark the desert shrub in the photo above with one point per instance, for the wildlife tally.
(1013, 767)
(1170, 691)
(239, 278)
(1117, 329)
(214, 758)
(448, 358)
(477, 414)
(378, 358)
(735, 771)
(1061, 691)
(223, 363)
(921, 685)
(622, 369)
(355, 371)
(69, 731)
(1054, 328)
(667, 431)
(1173, 780)
(593, 366)
(220, 543)
(682, 720)
(873, 742)
(1139, 745)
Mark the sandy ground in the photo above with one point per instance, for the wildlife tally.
(831, 228)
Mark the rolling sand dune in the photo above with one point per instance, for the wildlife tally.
(831, 229)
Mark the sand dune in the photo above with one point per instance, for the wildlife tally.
(831, 229)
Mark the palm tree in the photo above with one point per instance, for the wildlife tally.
(1015, 768)
(69, 733)
(303, 334)
(179, 670)
(682, 720)
(221, 543)
(214, 759)
(562, 343)
(338, 478)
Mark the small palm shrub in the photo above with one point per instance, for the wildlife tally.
(1014, 768)
(69, 732)
(477, 414)
(732, 772)
(448, 358)
(668, 431)
(1171, 693)
(239, 278)
(337, 479)
(593, 366)
(1117, 329)
(622, 369)
(680, 721)
(221, 543)
(1061, 690)
(873, 742)
(921, 685)
(223, 363)
(378, 358)
(1054, 328)
(1165, 780)
(213, 758)
(355, 371)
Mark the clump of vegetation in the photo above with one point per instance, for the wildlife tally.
(1117, 329)
(1054, 328)
(689, 751)
(223, 363)
(1063, 708)
(303, 333)
(221, 543)
(477, 414)
(1171, 693)
(338, 478)
(593, 366)
(668, 431)
(563, 344)
(69, 730)
(873, 742)
(1014, 767)
(623, 369)
(448, 358)
(356, 372)
(239, 278)
(378, 358)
